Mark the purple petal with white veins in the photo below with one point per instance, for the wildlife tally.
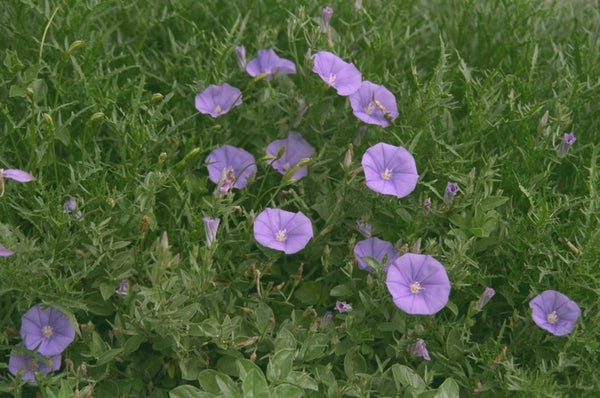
(430, 276)
(337, 73)
(218, 100)
(296, 149)
(18, 175)
(370, 101)
(239, 160)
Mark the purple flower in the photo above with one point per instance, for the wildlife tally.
(282, 230)
(269, 64)
(342, 306)
(390, 170)
(419, 350)
(426, 206)
(554, 312)
(567, 142)
(4, 252)
(486, 296)
(374, 104)
(211, 225)
(363, 228)
(418, 284)
(14, 174)
(295, 149)
(240, 56)
(376, 248)
(325, 18)
(450, 192)
(123, 289)
(218, 100)
(325, 320)
(46, 330)
(32, 365)
(230, 167)
(342, 76)
(69, 206)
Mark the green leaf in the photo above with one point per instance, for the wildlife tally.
(280, 364)
(408, 377)
(287, 391)
(342, 291)
(245, 366)
(215, 382)
(491, 202)
(191, 368)
(187, 391)
(285, 339)
(448, 389)
(302, 380)
(255, 385)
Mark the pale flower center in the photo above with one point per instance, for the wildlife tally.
(331, 79)
(281, 235)
(370, 108)
(387, 174)
(415, 287)
(552, 317)
(33, 365)
(218, 110)
(47, 331)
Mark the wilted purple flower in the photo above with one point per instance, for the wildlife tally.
(269, 64)
(4, 252)
(374, 104)
(486, 296)
(14, 174)
(419, 350)
(418, 284)
(46, 330)
(426, 206)
(296, 149)
(390, 170)
(240, 56)
(69, 206)
(450, 192)
(123, 289)
(325, 320)
(32, 365)
(376, 248)
(363, 228)
(554, 312)
(360, 133)
(211, 225)
(230, 167)
(567, 142)
(282, 230)
(325, 18)
(342, 306)
(342, 76)
(218, 100)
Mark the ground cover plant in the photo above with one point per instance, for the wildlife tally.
(299, 199)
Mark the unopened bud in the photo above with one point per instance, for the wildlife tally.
(74, 46)
(157, 97)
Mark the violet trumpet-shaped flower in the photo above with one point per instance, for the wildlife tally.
(69, 206)
(282, 230)
(342, 306)
(325, 18)
(450, 192)
(46, 330)
(364, 228)
(374, 104)
(485, 297)
(123, 289)
(211, 225)
(240, 56)
(14, 174)
(390, 170)
(342, 76)
(376, 248)
(567, 142)
(4, 252)
(269, 64)
(419, 349)
(218, 100)
(418, 284)
(230, 167)
(296, 149)
(30, 365)
(554, 312)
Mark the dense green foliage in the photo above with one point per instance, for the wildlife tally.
(97, 102)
